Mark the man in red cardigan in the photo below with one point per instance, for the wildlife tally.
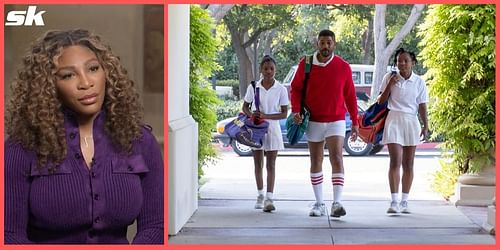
(329, 95)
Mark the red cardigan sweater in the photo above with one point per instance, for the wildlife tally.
(330, 91)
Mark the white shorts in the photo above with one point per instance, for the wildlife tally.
(319, 131)
(401, 128)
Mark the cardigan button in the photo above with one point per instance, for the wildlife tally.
(130, 168)
(77, 156)
(96, 197)
(72, 136)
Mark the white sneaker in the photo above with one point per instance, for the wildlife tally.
(268, 205)
(404, 207)
(394, 208)
(317, 210)
(337, 210)
(260, 202)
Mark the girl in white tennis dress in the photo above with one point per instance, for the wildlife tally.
(273, 107)
(407, 96)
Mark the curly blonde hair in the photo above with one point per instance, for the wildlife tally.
(35, 116)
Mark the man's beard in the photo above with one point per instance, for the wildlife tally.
(325, 53)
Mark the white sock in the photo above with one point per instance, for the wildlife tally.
(317, 183)
(269, 195)
(394, 197)
(338, 186)
(404, 196)
(260, 192)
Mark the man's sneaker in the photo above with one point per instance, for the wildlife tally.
(318, 209)
(269, 205)
(404, 207)
(337, 210)
(393, 209)
(260, 202)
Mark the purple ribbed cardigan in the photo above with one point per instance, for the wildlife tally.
(80, 205)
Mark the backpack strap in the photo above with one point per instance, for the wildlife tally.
(307, 68)
(255, 96)
(308, 64)
(253, 85)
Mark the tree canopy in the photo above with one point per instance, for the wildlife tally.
(245, 24)
(352, 24)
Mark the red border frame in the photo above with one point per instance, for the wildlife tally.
(166, 2)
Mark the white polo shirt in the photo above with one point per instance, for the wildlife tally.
(271, 99)
(406, 95)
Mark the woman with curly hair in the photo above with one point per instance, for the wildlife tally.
(80, 165)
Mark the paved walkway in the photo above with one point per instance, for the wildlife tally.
(226, 215)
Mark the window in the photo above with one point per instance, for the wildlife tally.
(356, 77)
(289, 77)
(368, 78)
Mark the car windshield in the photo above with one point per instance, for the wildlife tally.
(289, 77)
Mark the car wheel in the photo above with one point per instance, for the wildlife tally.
(376, 148)
(356, 148)
(240, 149)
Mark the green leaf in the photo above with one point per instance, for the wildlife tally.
(202, 99)
(458, 47)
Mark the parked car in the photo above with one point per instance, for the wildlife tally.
(355, 148)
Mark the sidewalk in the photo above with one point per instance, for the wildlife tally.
(235, 222)
(226, 215)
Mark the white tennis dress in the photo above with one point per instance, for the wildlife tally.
(402, 125)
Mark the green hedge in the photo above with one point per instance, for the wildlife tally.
(444, 180)
(459, 51)
(202, 99)
(229, 108)
(230, 82)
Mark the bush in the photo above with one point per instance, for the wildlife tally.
(445, 179)
(229, 108)
(463, 88)
(202, 98)
(230, 82)
(459, 53)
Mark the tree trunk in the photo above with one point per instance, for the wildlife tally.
(367, 43)
(268, 40)
(264, 46)
(244, 63)
(242, 42)
(380, 40)
(250, 54)
(383, 53)
(245, 72)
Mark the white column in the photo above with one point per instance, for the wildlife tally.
(182, 129)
